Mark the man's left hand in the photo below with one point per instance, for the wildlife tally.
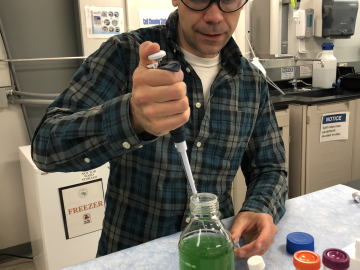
(258, 231)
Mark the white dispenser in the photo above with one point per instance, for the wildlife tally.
(326, 76)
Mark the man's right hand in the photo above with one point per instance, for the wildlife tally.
(159, 102)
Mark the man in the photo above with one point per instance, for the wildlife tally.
(117, 110)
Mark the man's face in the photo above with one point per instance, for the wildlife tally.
(204, 33)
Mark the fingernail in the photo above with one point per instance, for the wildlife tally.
(260, 246)
(242, 253)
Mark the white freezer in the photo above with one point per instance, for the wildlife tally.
(51, 249)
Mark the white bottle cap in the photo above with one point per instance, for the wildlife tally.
(256, 263)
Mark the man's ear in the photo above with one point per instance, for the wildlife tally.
(175, 3)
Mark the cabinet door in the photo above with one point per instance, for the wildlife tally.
(355, 175)
(327, 163)
(239, 186)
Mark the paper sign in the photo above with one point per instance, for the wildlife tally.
(305, 71)
(104, 22)
(334, 127)
(287, 73)
(151, 17)
(89, 175)
(82, 208)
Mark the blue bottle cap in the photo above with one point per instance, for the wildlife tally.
(327, 46)
(299, 241)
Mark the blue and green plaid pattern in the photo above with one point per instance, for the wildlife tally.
(148, 194)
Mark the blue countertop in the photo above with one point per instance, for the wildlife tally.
(330, 215)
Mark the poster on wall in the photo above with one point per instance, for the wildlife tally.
(151, 17)
(104, 22)
(334, 126)
(82, 208)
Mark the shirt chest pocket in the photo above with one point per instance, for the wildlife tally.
(230, 131)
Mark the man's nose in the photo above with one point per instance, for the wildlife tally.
(213, 14)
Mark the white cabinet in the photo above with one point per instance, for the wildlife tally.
(239, 186)
(314, 165)
(51, 249)
(355, 175)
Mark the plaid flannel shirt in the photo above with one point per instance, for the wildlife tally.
(148, 194)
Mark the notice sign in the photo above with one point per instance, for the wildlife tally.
(82, 208)
(287, 73)
(334, 127)
(151, 17)
(305, 71)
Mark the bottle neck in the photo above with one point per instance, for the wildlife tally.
(207, 205)
(327, 52)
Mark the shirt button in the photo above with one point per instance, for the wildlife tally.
(87, 160)
(224, 64)
(126, 145)
(198, 144)
(198, 105)
(188, 70)
(174, 50)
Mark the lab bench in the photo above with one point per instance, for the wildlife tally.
(314, 165)
(329, 215)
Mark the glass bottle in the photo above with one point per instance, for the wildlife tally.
(205, 243)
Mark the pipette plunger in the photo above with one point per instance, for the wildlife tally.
(178, 135)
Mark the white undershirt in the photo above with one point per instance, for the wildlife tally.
(206, 69)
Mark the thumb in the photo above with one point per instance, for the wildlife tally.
(238, 228)
(147, 48)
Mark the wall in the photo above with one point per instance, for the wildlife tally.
(12, 134)
(36, 28)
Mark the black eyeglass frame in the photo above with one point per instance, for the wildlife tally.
(218, 3)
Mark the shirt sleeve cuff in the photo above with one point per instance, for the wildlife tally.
(257, 207)
(117, 126)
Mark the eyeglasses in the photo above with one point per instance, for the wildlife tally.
(227, 6)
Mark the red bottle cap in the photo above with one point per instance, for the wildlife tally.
(307, 260)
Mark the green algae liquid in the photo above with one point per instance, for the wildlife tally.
(206, 251)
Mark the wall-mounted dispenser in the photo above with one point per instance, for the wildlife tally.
(335, 19)
(304, 21)
(272, 28)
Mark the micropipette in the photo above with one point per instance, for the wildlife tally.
(178, 135)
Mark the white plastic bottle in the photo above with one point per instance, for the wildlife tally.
(324, 77)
